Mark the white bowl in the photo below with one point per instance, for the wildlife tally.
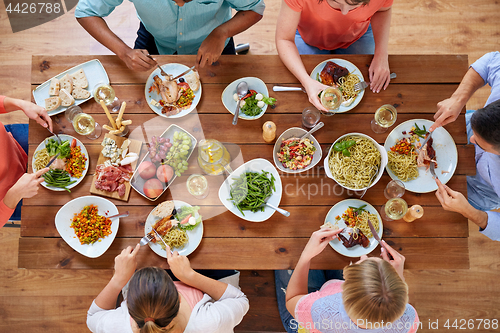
(381, 169)
(296, 132)
(65, 215)
(256, 165)
(254, 83)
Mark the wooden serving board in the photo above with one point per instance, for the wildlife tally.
(134, 147)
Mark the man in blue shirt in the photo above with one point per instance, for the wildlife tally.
(202, 27)
(483, 130)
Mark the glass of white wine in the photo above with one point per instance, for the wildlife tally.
(394, 209)
(104, 92)
(84, 124)
(385, 117)
(197, 186)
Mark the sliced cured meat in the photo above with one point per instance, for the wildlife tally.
(332, 72)
(111, 178)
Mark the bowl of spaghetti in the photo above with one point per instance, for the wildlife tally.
(355, 161)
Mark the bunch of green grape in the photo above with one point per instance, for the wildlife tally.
(177, 155)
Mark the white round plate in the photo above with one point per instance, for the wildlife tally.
(352, 69)
(172, 69)
(339, 209)
(254, 83)
(446, 156)
(256, 165)
(65, 215)
(296, 132)
(70, 138)
(194, 236)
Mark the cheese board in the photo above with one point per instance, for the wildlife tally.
(111, 179)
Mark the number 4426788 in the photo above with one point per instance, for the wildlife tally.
(33, 8)
(472, 324)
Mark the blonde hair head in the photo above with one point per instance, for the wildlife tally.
(374, 292)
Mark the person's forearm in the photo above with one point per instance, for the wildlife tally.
(12, 104)
(12, 198)
(211, 287)
(98, 28)
(289, 55)
(298, 284)
(471, 82)
(240, 22)
(107, 297)
(477, 216)
(381, 24)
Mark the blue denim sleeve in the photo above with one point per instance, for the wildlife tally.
(492, 230)
(257, 6)
(100, 8)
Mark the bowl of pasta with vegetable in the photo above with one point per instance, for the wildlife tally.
(355, 161)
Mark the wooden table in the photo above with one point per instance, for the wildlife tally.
(438, 240)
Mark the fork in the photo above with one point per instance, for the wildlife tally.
(433, 173)
(162, 72)
(146, 239)
(57, 136)
(363, 84)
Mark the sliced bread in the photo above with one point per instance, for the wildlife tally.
(66, 97)
(80, 93)
(54, 87)
(79, 79)
(67, 83)
(193, 79)
(52, 103)
(164, 209)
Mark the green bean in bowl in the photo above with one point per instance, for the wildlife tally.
(251, 190)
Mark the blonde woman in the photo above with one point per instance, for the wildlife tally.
(373, 298)
(154, 303)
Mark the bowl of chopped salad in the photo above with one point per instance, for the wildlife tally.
(293, 155)
(254, 104)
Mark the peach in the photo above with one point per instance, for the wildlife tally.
(165, 173)
(147, 170)
(153, 188)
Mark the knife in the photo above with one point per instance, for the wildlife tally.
(52, 160)
(425, 141)
(375, 234)
(183, 73)
(161, 238)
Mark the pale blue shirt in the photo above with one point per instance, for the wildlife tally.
(175, 28)
(484, 188)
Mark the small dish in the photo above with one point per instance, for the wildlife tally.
(256, 165)
(254, 83)
(296, 132)
(65, 215)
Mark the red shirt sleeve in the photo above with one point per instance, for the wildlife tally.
(388, 3)
(5, 213)
(297, 5)
(2, 107)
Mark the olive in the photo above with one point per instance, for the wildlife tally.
(181, 79)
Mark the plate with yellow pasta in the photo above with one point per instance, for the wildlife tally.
(178, 223)
(344, 75)
(352, 215)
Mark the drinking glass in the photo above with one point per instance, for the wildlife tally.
(394, 189)
(394, 209)
(84, 124)
(213, 157)
(385, 117)
(331, 99)
(197, 186)
(106, 93)
(310, 117)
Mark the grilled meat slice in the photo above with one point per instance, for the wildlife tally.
(331, 73)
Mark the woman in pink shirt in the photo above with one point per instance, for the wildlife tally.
(15, 183)
(334, 26)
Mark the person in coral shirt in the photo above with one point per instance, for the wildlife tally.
(15, 183)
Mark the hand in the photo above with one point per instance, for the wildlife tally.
(36, 112)
(318, 241)
(125, 265)
(180, 266)
(379, 74)
(314, 88)
(25, 187)
(137, 60)
(397, 261)
(448, 111)
(451, 200)
(211, 49)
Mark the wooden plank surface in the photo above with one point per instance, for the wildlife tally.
(243, 253)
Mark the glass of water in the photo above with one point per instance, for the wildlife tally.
(310, 117)
(394, 189)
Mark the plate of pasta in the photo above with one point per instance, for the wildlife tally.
(352, 215)
(179, 224)
(413, 169)
(344, 75)
(69, 169)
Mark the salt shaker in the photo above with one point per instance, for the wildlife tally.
(413, 213)
(269, 131)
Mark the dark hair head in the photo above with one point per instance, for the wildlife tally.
(152, 294)
(485, 122)
(353, 2)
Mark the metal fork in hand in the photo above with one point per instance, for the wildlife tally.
(162, 72)
(363, 84)
(146, 239)
(57, 136)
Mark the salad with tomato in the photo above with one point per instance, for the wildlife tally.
(252, 103)
(296, 153)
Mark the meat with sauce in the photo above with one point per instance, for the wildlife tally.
(331, 73)
(360, 239)
(426, 155)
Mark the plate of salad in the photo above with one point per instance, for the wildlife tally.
(254, 104)
(70, 167)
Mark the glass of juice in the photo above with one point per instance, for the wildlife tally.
(213, 157)
(394, 209)
(385, 117)
(104, 92)
(84, 124)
